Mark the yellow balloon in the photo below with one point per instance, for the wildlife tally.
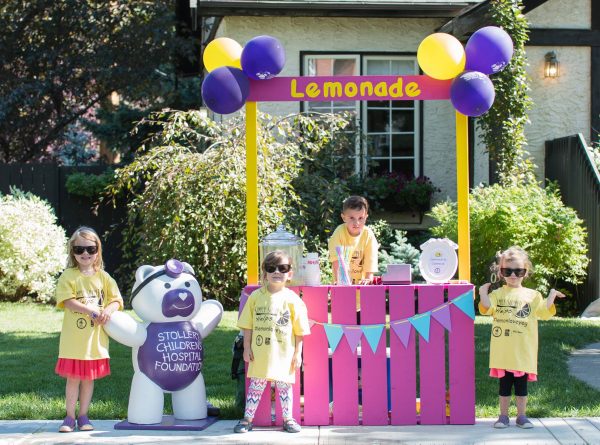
(441, 56)
(222, 52)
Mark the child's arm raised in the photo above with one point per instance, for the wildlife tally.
(484, 299)
(551, 296)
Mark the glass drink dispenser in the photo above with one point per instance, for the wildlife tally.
(281, 239)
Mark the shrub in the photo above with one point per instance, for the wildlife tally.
(400, 252)
(395, 192)
(32, 247)
(186, 193)
(528, 216)
(88, 185)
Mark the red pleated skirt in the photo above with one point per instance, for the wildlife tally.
(82, 369)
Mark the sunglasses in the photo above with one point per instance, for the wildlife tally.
(78, 250)
(507, 272)
(283, 268)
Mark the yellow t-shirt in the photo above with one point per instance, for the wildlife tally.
(364, 253)
(81, 338)
(514, 339)
(275, 320)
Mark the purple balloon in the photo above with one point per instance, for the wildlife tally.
(225, 90)
(472, 93)
(488, 50)
(263, 58)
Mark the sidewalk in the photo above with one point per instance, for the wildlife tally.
(546, 431)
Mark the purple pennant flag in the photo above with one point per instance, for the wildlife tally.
(402, 330)
(353, 334)
(442, 315)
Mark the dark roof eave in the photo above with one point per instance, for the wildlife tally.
(330, 9)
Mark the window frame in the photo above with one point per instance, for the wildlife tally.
(361, 106)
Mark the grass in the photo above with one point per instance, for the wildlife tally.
(29, 336)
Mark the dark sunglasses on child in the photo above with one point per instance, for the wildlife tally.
(507, 272)
(78, 250)
(283, 268)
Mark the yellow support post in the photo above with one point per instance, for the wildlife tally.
(462, 195)
(252, 193)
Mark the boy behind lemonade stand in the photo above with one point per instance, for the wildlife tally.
(357, 237)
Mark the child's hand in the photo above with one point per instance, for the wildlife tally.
(104, 316)
(554, 293)
(248, 355)
(483, 290)
(296, 361)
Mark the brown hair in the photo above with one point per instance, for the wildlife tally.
(355, 203)
(511, 253)
(90, 235)
(273, 259)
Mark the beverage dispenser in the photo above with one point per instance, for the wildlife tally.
(283, 240)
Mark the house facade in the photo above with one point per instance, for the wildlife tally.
(381, 38)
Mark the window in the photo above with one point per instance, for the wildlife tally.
(389, 129)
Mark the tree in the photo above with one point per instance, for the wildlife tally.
(503, 126)
(63, 57)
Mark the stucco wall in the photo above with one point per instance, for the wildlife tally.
(561, 105)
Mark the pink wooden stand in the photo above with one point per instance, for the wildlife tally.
(371, 378)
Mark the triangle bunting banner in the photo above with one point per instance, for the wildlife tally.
(373, 334)
(353, 335)
(442, 316)
(402, 330)
(421, 323)
(334, 334)
(465, 304)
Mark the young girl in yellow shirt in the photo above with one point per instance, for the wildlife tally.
(514, 339)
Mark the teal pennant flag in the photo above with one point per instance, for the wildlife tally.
(465, 304)
(334, 334)
(373, 334)
(421, 323)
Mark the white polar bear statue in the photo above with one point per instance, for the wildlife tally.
(167, 345)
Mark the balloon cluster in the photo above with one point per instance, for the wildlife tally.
(226, 87)
(488, 51)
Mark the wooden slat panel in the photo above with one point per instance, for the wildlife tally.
(374, 369)
(403, 366)
(316, 358)
(461, 361)
(432, 367)
(344, 361)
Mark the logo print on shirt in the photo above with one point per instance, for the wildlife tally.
(81, 323)
(497, 331)
(259, 340)
(284, 319)
(524, 311)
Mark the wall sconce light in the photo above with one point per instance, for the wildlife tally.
(551, 65)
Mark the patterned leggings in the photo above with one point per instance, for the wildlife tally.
(255, 390)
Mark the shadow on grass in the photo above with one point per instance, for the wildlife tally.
(556, 393)
(31, 390)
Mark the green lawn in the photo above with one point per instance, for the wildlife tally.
(29, 389)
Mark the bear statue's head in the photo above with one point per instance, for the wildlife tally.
(166, 293)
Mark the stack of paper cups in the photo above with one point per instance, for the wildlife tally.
(312, 271)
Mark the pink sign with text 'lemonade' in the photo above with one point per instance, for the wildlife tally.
(343, 88)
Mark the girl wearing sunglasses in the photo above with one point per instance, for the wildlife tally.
(514, 339)
(274, 322)
(89, 296)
